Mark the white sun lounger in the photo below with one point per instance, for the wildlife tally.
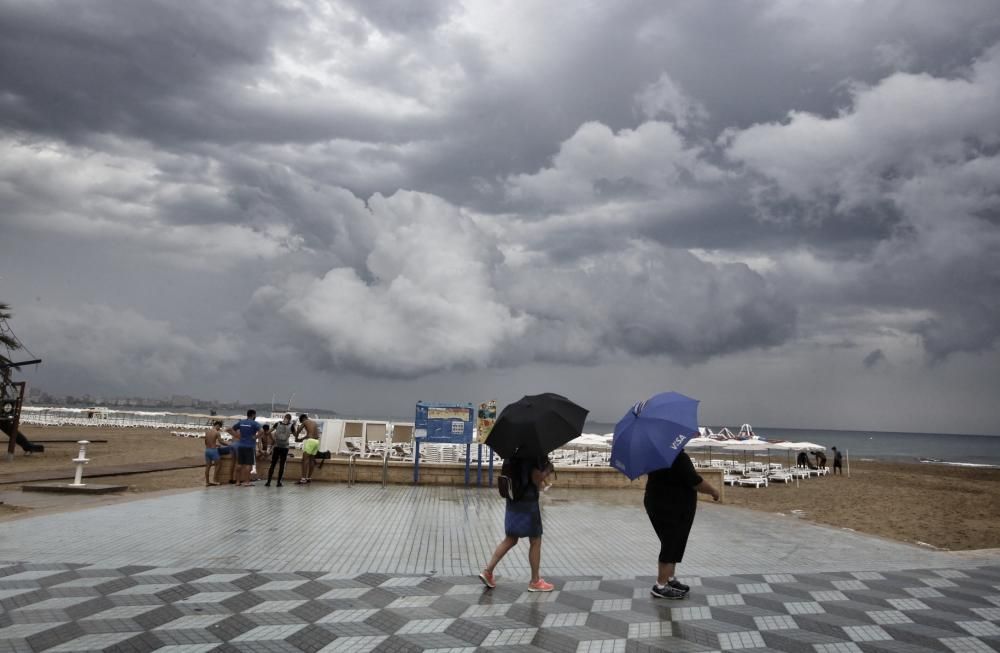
(755, 481)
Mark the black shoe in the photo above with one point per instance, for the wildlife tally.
(268, 484)
(667, 592)
(279, 483)
(677, 585)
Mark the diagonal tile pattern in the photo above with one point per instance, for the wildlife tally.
(372, 569)
(167, 611)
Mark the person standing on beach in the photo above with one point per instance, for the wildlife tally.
(523, 518)
(671, 500)
(246, 430)
(281, 433)
(309, 447)
(820, 459)
(212, 435)
(838, 461)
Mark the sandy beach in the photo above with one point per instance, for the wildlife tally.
(952, 508)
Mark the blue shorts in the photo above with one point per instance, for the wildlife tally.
(211, 455)
(523, 519)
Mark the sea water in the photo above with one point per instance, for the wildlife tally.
(881, 445)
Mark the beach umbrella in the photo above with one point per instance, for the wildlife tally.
(588, 442)
(653, 432)
(535, 425)
(748, 445)
(702, 442)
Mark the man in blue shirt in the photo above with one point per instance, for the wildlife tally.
(246, 430)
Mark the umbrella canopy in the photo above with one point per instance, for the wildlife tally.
(652, 433)
(534, 425)
(702, 442)
(749, 445)
(588, 441)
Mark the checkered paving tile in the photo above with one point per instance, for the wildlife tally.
(174, 609)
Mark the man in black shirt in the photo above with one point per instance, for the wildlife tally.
(671, 500)
(838, 461)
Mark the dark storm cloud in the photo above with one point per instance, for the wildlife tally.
(873, 358)
(403, 16)
(124, 67)
(406, 189)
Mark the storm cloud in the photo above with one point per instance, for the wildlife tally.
(383, 192)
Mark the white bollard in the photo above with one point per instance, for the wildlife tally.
(80, 460)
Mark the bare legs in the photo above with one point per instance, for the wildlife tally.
(534, 555)
(506, 544)
(307, 467)
(664, 572)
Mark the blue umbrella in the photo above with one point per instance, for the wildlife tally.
(652, 433)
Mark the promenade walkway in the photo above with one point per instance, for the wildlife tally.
(332, 568)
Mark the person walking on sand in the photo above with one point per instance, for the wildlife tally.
(309, 447)
(281, 433)
(838, 461)
(671, 500)
(523, 518)
(212, 436)
(246, 430)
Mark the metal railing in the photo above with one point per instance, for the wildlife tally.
(352, 472)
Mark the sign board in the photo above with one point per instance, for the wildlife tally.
(444, 423)
(486, 417)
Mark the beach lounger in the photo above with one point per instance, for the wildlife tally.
(780, 476)
(755, 481)
(730, 479)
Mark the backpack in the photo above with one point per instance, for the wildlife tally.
(510, 483)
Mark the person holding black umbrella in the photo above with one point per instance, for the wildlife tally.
(524, 434)
(523, 518)
(670, 501)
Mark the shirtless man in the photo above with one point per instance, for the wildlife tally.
(212, 435)
(264, 442)
(309, 447)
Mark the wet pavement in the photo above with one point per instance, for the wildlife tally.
(333, 568)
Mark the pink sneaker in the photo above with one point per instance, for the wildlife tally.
(487, 579)
(540, 586)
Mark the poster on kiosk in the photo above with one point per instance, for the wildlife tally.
(442, 423)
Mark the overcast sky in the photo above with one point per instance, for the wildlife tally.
(789, 210)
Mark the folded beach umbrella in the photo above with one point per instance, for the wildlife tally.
(653, 432)
(535, 425)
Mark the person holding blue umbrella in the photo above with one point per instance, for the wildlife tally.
(650, 440)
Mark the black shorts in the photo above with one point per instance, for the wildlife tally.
(245, 455)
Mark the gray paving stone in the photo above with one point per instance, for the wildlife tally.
(789, 594)
(920, 634)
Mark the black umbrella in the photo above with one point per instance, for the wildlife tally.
(535, 425)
